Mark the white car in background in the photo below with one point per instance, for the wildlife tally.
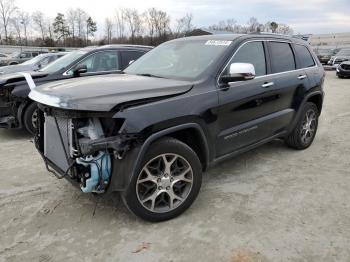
(342, 56)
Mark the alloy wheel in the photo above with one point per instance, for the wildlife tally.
(308, 126)
(164, 183)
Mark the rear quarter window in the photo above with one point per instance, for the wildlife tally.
(282, 57)
(128, 56)
(304, 56)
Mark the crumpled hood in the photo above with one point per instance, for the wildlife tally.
(103, 93)
(18, 77)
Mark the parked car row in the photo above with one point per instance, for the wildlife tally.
(17, 110)
(19, 57)
(149, 128)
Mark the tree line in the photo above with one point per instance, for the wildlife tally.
(76, 28)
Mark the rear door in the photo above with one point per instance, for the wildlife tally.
(289, 82)
(245, 107)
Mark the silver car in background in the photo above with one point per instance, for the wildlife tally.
(33, 64)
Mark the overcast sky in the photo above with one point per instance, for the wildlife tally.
(305, 16)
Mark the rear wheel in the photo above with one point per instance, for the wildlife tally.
(304, 132)
(30, 118)
(167, 183)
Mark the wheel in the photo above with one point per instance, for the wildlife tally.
(167, 183)
(340, 76)
(305, 130)
(30, 118)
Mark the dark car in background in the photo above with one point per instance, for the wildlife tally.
(181, 108)
(325, 54)
(33, 64)
(343, 70)
(19, 57)
(342, 56)
(17, 110)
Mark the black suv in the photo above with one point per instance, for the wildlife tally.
(17, 110)
(179, 109)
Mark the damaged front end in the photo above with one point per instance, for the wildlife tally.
(8, 108)
(83, 146)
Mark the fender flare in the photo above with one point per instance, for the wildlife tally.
(121, 183)
(303, 102)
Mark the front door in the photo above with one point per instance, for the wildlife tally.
(245, 107)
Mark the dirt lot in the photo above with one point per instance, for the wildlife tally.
(270, 204)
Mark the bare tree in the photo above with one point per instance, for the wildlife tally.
(7, 9)
(109, 29)
(71, 21)
(81, 17)
(225, 25)
(253, 25)
(134, 23)
(25, 20)
(150, 17)
(120, 22)
(284, 29)
(16, 23)
(40, 23)
(184, 25)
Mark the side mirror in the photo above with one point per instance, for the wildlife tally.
(80, 69)
(239, 72)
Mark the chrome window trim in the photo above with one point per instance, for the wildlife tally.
(273, 74)
(100, 51)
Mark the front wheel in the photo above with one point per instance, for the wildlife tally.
(30, 118)
(167, 183)
(305, 130)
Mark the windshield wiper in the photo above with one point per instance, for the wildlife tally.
(149, 75)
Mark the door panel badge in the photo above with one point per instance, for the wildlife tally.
(241, 132)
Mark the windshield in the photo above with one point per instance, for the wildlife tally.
(34, 60)
(344, 52)
(185, 59)
(63, 62)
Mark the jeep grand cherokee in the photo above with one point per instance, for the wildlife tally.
(181, 108)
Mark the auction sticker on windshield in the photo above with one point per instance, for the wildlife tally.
(218, 42)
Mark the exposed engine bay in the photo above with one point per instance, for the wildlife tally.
(82, 148)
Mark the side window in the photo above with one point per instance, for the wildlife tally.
(253, 53)
(101, 62)
(34, 54)
(304, 56)
(128, 56)
(25, 55)
(282, 57)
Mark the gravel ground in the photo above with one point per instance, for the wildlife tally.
(270, 204)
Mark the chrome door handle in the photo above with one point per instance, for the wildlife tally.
(301, 77)
(266, 85)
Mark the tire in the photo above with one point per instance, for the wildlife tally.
(305, 130)
(339, 76)
(29, 118)
(169, 195)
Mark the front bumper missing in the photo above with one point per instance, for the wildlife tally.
(119, 144)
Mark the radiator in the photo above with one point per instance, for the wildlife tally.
(55, 148)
